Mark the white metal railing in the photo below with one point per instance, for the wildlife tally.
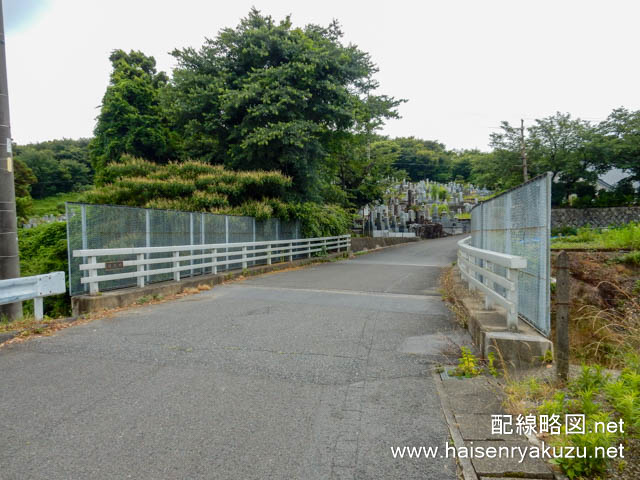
(217, 254)
(471, 269)
(32, 288)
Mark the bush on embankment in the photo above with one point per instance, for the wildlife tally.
(43, 249)
(199, 187)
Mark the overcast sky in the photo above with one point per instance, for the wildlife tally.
(463, 66)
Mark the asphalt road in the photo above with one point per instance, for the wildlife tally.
(307, 374)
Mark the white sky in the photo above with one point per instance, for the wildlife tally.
(463, 65)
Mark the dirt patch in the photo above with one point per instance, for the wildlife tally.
(605, 308)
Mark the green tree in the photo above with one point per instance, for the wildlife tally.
(131, 118)
(266, 95)
(363, 168)
(423, 159)
(620, 141)
(23, 179)
(58, 165)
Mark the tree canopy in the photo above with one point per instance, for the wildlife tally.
(272, 96)
(131, 119)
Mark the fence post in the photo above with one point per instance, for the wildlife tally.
(562, 316)
(226, 240)
(488, 303)
(291, 251)
(147, 222)
(83, 226)
(140, 268)
(269, 254)
(244, 258)
(214, 259)
(176, 264)
(309, 249)
(93, 286)
(253, 262)
(38, 308)
(191, 241)
(512, 296)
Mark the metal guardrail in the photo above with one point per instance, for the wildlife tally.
(217, 254)
(476, 267)
(32, 288)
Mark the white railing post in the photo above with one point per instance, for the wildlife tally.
(244, 258)
(176, 265)
(324, 247)
(512, 296)
(269, 254)
(140, 268)
(93, 286)
(291, 251)
(214, 260)
(489, 283)
(309, 249)
(38, 308)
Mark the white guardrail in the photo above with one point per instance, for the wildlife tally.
(470, 269)
(218, 255)
(32, 288)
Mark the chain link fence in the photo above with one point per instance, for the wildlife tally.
(108, 226)
(518, 222)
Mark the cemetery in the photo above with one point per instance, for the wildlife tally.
(425, 209)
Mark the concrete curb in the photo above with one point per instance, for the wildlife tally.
(488, 329)
(468, 472)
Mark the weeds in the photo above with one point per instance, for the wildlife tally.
(467, 364)
(631, 258)
(627, 236)
(600, 398)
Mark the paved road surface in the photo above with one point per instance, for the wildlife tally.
(307, 374)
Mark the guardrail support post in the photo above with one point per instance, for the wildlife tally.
(512, 296)
(244, 258)
(93, 286)
(176, 264)
(214, 259)
(291, 251)
(38, 308)
(309, 249)
(140, 268)
(269, 254)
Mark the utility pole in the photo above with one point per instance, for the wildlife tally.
(9, 261)
(523, 152)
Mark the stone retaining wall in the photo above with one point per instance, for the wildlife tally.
(595, 217)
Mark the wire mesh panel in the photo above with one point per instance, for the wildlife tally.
(107, 226)
(518, 222)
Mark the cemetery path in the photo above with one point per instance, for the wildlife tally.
(311, 374)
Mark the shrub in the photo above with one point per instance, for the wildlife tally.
(43, 249)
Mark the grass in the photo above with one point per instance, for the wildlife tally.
(631, 258)
(463, 216)
(601, 398)
(54, 204)
(606, 335)
(626, 237)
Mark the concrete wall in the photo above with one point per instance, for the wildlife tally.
(369, 243)
(595, 217)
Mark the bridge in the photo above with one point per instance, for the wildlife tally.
(310, 373)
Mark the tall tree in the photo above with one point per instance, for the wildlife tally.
(266, 95)
(423, 159)
(621, 142)
(131, 119)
